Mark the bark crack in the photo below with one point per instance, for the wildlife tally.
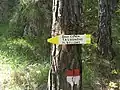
(56, 12)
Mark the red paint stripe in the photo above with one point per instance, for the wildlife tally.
(73, 72)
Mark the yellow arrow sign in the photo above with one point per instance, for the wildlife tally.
(54, 40)
(71, 39)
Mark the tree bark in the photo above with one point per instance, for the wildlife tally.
(104, 29)
(67, 19)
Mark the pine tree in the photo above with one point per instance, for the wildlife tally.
(104, 29)
(67, 19)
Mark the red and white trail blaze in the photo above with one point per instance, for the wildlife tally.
(73, 77)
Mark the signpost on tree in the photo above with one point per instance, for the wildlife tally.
(72, 75)
(66, 38)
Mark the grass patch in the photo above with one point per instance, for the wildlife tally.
(18, 67)
(22, 66)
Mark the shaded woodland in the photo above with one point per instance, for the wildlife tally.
(25, 54)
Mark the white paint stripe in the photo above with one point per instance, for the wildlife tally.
(73, 80)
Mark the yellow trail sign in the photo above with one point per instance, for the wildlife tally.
(71, 39)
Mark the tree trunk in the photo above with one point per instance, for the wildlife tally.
(104, 31)
(106, 10)
(67, 16)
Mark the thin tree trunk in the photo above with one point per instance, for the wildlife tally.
(67, 16)
(104, 31)
(106, 8)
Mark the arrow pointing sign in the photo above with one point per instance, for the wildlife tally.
(71, 39)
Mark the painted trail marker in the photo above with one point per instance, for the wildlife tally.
(71, 39)
(73, 77)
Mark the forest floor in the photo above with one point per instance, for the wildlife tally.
(18, 68)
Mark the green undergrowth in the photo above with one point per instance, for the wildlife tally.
(22, 65)
(3, 28)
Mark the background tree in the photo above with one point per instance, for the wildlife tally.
(104, 30)
(105, 48)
